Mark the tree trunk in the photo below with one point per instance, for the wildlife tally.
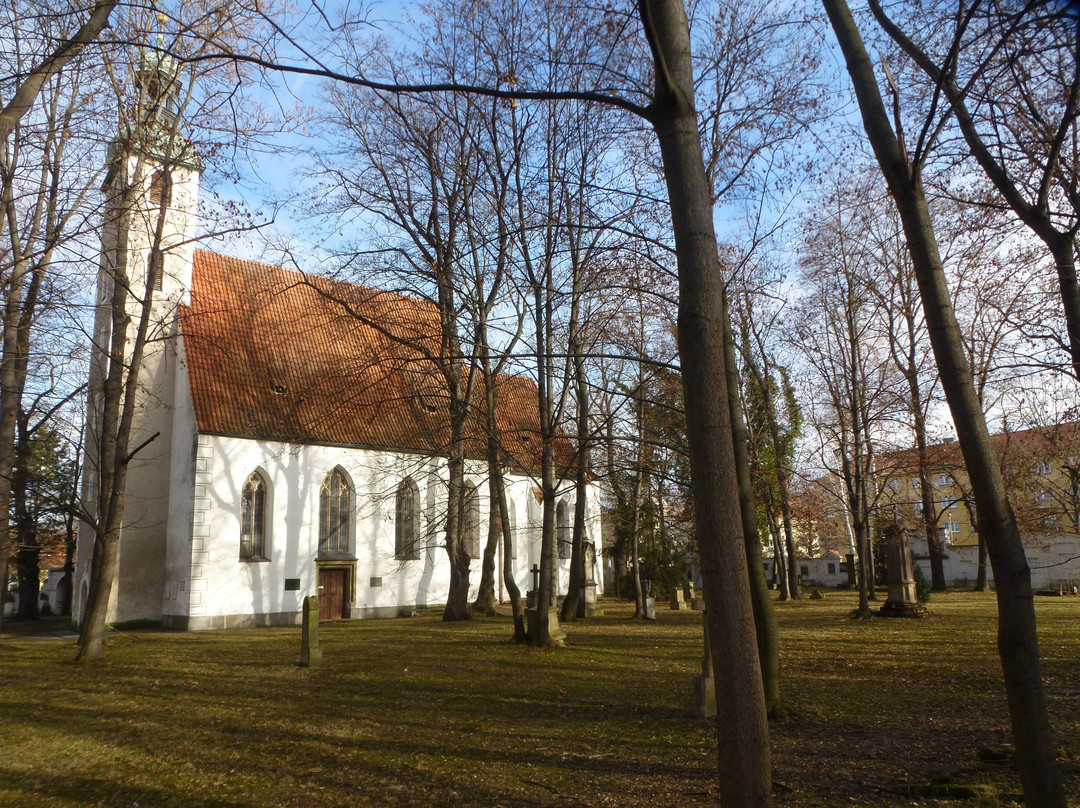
(485, 593)
(745, 766)
(764, 614)
(1017, 637)
(635, 560)
(457, 596)
(26, 538)
(573, 602)
(982, 583)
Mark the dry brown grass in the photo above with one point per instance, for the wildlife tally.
(417, 712)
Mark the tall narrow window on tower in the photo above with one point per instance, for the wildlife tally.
(160, 199)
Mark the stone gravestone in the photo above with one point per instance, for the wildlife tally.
(704, 685)
(533, 616)
(533, 593)
(850, 561)
(678, 600)
(899, 580)
(587, 606)
(648, 599)
(310, 652)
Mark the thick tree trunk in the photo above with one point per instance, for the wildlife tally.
(457, 596)
(745, 771)
(26, 559)
(572, 604)
(1017, 637)
(485, 593)
(764, 614)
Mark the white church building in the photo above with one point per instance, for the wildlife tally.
(293, 442)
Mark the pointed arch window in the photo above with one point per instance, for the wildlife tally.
(160, 200)
(562, 530)
(335, 512)
(405, 517)
(470, 518)
(511, 513)
(253, 517)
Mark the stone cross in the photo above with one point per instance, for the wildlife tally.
(535, 576)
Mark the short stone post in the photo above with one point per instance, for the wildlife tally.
(704, 684)
(310, 652)
(678, 600)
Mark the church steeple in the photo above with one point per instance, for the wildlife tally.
(153, 180)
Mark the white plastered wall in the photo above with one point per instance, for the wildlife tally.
(224, 590)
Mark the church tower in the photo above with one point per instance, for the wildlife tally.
(147, 245)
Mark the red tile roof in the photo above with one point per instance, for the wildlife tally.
(279, 355)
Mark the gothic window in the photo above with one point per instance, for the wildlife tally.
(562, 530)
(160, 199)
(160, 190)
(408, 499)
(335, 511)
(253, 517)
(470, 518)
(512, 514)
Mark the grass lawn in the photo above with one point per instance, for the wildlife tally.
(417, 712)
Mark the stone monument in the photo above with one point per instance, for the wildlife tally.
(587, 606)
(704, 685)
(899, 580)
(310, 652)
(533, 616)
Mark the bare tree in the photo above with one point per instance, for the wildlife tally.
(1011, 76)
(901, 163)
(838, 336)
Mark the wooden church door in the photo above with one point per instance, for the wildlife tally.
(332, 594)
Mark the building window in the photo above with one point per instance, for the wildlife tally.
(470, 516)
(253, 517)
(804, 570)
(916, 483)
(952, 526)
(408, 498)
(894, 485)
(160, 190)
(832, 569)
(335, 509)
(942, 480)
(562, 530)
(1042, 467)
